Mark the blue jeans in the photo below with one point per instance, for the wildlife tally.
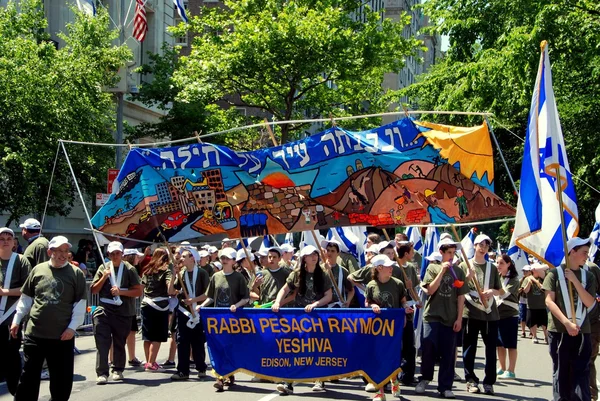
(438, 340)
(489, 334)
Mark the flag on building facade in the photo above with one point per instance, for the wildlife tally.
(140, 22)
(538, 229)
(181, 10)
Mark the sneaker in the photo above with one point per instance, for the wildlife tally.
(229, 381)
(117, 376)
(523, 335)
(488, 389)
(370, 388)
(535, 340)
(447, 394)
(319, 386)
(499, 372)
(420, 389)
(396, 388)
(168, 364)
(45, 375)
(379, 397)
(473, 387)
(100, 380)
(179, 376)
(202, 374)
(135, 362)
(153, 367)
(218, 385)
(507, 375)
(457, 377)
(285, 388)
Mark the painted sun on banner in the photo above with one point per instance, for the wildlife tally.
(402, 173)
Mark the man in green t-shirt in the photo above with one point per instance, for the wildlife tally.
(479, 319)
(270, 280)
(570, 344)
(13, 273)
(54, 295)
(37, 250)
(118, 284)
(594, 316)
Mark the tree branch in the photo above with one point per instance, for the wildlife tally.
(312, 86)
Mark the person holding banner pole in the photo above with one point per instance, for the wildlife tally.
(117, 284)
(226, 289)
(443, 282)
(481, 315)
(191, 284)
(13, 273)
(340, 274)
(594, 316)
(158, 286)
(385, 291)
(314, 291)
(570, 344)
(508, 325)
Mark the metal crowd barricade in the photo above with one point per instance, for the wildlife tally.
(94, 300)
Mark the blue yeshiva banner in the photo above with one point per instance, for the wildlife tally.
(293, 345)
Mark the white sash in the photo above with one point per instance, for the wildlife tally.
(486, 286)
(5, 314)
(152, 302)
(339, 286)
(501, 299)
(116, 300)
(191, 290)
(580, 310)
(587, 268)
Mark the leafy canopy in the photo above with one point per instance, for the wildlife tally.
(48, 94)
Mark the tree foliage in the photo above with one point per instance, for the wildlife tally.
(492, 63)
(48, 94)
(293, 59)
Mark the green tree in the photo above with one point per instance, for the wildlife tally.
(48, 94)
(492, 63)
(293, 59)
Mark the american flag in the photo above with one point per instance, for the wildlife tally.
(140, 23)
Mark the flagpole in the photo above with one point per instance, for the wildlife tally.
(474, 279)
(413, 294)
(333, 282)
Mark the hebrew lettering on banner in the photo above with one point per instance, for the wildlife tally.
(403, 173)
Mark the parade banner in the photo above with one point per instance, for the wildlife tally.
(403, 173)
(293, 345)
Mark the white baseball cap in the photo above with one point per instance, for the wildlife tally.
(114, 246)
(242, 255)
(229, 253)
(213, 249)
(7, 230)
(206, 247)
(194, 253)
(226, 240)
(203, 253)
(526, 268)
(576, 241)
(218, 265)
(308, 250)
(381, 260)
(31, 224)
(385, 244)
(480, 238)
(275, 249)
(263, 252)
(445, 235)
(287, 248)
(57, 241)
(434, 257)
(326, 242)
(185, 243)
(372, 249)
(448, 241)
(132, 251)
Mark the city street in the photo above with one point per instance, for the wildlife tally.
(533, 372)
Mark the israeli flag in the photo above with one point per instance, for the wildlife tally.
(181, 10)
(432, 237)
(289, 239)
(468, 244)
(346, 237)
(519, 258)
(308, 239)
(595, 237)
(265, 244)
(538, 230)
(87, 6)
(414, 236)
(361, 233)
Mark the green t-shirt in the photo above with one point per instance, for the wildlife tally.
(346, 285)
(311, 294)
(129, 279)
(512, 288)
(386, 295)
(348, 261)
(227, 289)
(536, 299)
(156, 286)
(595, 313)
(20, 272)
(199, 287)
(442, 306)
(551, 283)
(208, 268)
(37, 251)
(362, 276)
(54, 292)
(272, 283)
(471, 311)
(418, 261)
(411, 274)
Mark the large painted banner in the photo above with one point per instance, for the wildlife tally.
(293, 345)
(402, 173)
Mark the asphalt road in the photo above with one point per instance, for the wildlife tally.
(533, 382)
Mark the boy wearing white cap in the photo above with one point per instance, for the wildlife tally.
(570, 345)
(204, 263)
(340, 274)
(13, 273)
(227, 289)
(118, 285)
(54, 296)
(479, 319)
(287, 253)
(37, 250)
(442, 319)
(269, 282)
